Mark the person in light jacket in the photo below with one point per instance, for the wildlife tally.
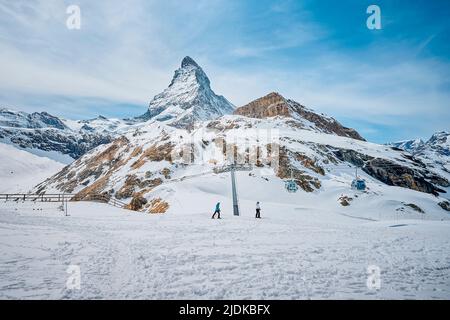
(217, 211)
(258, 210)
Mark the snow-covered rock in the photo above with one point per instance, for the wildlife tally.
(188, 99)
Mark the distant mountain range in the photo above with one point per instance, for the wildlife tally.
(435, 152)
(439, 143)
(55, 136)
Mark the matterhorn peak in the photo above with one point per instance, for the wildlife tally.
(190, 74)
(188, 98)
(188, 61)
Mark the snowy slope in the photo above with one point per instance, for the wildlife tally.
(298, 250)
(21, 170)
(306, 246)
(189, 98)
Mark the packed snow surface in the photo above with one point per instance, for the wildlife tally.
(306, 246)
(20, 170)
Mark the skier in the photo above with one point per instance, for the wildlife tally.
(217, 211)
(258, 210)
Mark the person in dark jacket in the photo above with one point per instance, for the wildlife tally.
(258, 210)
(217, 211)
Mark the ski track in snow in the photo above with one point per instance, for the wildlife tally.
(297, 254)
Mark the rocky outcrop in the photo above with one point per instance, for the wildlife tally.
(274, 104)
(158, 206)
(137, 203)
(391, 173)
(271, 105)
(345, 200)
(127, 190)
(414, 206)
(444, 205)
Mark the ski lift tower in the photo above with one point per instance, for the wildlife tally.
(233, 190)
(233, 168)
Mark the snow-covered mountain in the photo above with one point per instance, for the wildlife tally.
(408, 145)
(435, 152)
(188, 99)
(439, 144)
(143, 168)
(63, 140)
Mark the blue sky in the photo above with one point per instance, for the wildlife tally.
(389, 84)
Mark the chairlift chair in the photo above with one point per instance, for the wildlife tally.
(359, 184)
(291, 186)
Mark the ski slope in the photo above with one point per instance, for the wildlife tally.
(307, 246)
(20, 170)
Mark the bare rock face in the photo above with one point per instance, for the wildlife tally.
(158, 206)
(414, 206)
(394, 174)
(274, 104)
(445, 205)
(271, 105)
(128, 188)
(137, 203)
(345, 200)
